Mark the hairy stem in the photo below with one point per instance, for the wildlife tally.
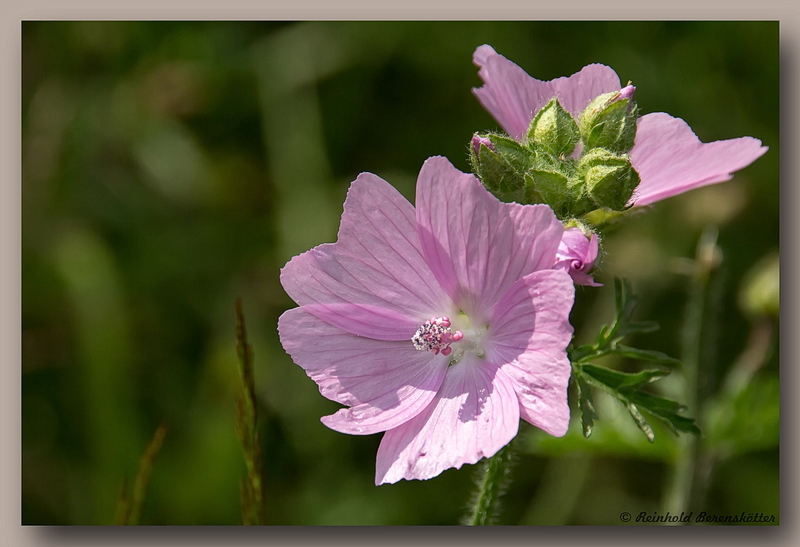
(491, 487)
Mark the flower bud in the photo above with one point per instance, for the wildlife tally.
(610, 121)
(553, 130)
(759, 294)
(610, 178)
(577, 254)
(478, 140)
(500, 163)
(547, 187)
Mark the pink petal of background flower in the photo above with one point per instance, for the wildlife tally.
(513, 97)
(670, 159)
(668, 156)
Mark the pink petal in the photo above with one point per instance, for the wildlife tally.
(528, 337)
(385, 383)
(581, 278)
(577, 91)
(670, 159)
(575, 245)
(374, 281)
(473, 416)
(576, 255)
(513, 97)
(476, 245)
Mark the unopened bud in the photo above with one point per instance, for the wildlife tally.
(553, 130)
(610, 121)
(610, 178)
(760, 292)
(577, 253)
(478, 140)
(500, 163)
(547, 187)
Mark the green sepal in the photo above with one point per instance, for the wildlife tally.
(501, 170)
(609, 122)
(553, 130)
(512, 151)
(610, 178)
(549, 186)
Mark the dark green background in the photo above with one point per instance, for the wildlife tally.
(170, 167)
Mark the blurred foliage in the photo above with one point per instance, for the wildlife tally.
(169, 168)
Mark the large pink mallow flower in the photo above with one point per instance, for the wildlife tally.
(440, 325)
(668, 156)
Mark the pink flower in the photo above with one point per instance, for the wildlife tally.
(668, 156)
(440, 325)
(576, 255)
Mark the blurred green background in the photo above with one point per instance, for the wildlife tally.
(171, 167)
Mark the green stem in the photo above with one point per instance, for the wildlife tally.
(491, 487)
(251, 487)
(679, 489)
(130, 503)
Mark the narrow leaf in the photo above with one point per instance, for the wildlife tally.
(627, 388)
(640, 326)
(642, 423)
(645, 355)
(616, 380)
(586, 404)
(665, 409)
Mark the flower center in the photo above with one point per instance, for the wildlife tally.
(436, 335)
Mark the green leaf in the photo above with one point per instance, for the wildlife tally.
(617, 380)
(642, 423)
(586, 404)
(626, 387)
(666, 410)
(601, 336)
(577, 355)
(640, 326)
(645, 355)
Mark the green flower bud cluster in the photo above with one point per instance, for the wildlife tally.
(574, 166)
